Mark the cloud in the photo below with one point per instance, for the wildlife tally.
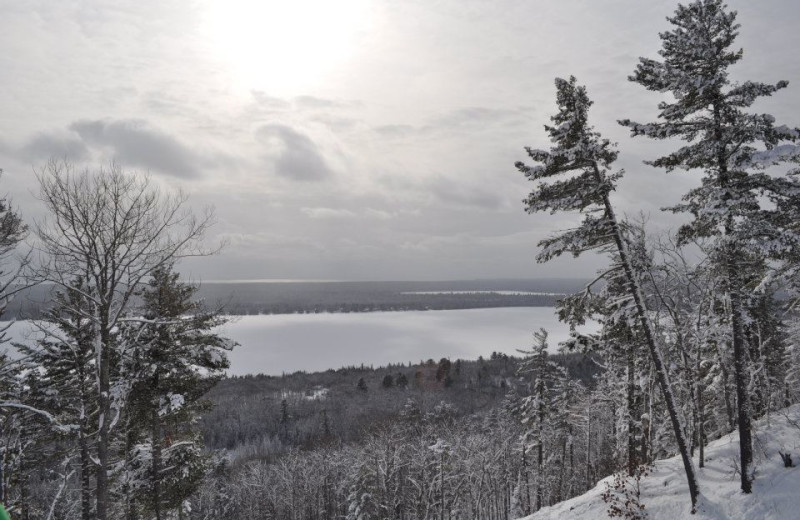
(301, 158)
(396, 130)
(469, 119)
(59, 145)
(269, 103)
(452, 192)
(312, 102)
(134, 143)
(326, 213)
(472, 116)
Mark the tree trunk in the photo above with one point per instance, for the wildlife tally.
(733, 288)
(589, 451)
(701, 415)
(539, 461)
(103, 437)
(526, 509)
(740, 376)
(86, 473)
(658, 362)
(157, 456)
(3, 476)
(130, 499)
(631, 391)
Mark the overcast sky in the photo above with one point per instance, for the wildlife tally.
(349, 139)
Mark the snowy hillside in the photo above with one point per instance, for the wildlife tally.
(776, 490)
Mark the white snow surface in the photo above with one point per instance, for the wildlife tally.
(776, 489)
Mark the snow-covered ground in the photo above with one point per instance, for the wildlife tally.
(776, 490)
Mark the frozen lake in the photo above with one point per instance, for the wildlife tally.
(277, 343)
(284, 343)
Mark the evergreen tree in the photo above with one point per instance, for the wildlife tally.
(549, 396)
(708, 112)
(61, 363)
(401, 381)
(443, 369)
(178, 359)
(582, 158)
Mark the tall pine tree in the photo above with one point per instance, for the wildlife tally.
(580, 160)
(732, 148)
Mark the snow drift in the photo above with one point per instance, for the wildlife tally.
(776, 489)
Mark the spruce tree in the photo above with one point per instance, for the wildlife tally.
(574, 175)
(178, 358)
(537, 411)
(731, 148)
(61, 363)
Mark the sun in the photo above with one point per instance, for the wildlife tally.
(283, 46)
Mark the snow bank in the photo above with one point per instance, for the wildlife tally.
(776, 489)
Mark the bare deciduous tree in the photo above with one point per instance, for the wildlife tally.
(111, 229)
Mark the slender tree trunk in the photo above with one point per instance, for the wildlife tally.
(571, 482)
(539, 461)
(726, 389)
(733, 289)
(701, 416)
(86, 473)
(658, 362)
(631, 391)
(22, 470)
(83, 444)
(541, 389)
(157, 451)
(130, 499)
(527, 504)
(740, 375)
(589, 479)
(562, 471)
(103, 436)
(441, 484)
(2, 478)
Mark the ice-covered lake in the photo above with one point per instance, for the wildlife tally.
(285, 343)
(278, 343)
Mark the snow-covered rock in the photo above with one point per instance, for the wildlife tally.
(776, 489)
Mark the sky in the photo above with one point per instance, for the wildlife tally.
(350, 140)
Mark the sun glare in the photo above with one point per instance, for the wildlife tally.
(283, 46)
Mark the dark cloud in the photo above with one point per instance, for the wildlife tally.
(57, 145)
(301, 158)
(134, 143)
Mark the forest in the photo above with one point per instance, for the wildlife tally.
(118, 406)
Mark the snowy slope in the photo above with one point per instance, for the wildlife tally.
(776, 490)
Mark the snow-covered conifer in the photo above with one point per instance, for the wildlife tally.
(574, 175)
(732, 148)
(178, 357)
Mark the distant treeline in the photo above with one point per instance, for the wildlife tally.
(311, 297)
(245, 298)
(261, 417)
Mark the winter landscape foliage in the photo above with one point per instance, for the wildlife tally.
(683, 402)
